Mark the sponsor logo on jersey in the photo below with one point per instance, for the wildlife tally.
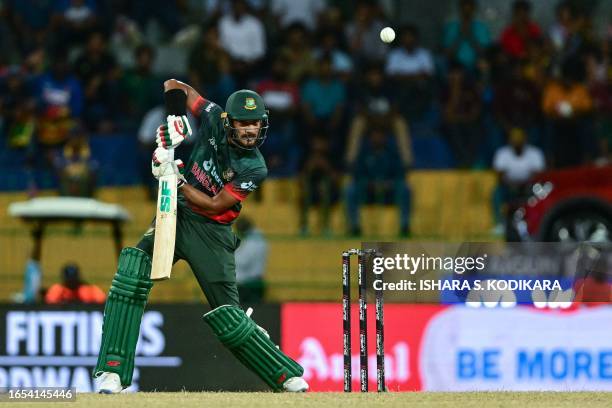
(248, 186)
(209, 106)
(202, 177)
(213, 143)
(212, 169)
(249, 104)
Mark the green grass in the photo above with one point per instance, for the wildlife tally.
(354, 400)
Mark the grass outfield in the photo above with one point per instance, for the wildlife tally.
(356, 400)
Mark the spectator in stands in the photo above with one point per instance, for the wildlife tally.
(466, 38)
(378, 177)
(59, 99)
(251, 257)
(31, 21)
(99, 74)
(567, 106)
(298, 52)
(169, 15)
(559, 31)
(600, 90)
(140, 86)
(516, 163)
(323, 99)
(319, 182)
(331, 21)
(409, 59)
(462, 106)
(578, 41)
(305, 12)
(8, 43)
(73, 289)
(282, 98)
(35, 62)
(411, 67)
(537, 64)
(215, 9)
(374, 89)
(341, 61)
(243, 36)
(375, 108)
(17, 107)
(210, 67)
(75, 169)
(74, 20)
(363, 33)
(522, 29)
(517, 100)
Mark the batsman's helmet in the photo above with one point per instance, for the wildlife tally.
(245, 105)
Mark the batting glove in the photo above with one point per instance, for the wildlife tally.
(173, 132)
(160, 155)
(160, 169)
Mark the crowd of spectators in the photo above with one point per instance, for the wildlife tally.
(341, 100)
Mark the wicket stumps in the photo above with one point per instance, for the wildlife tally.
(362, 258)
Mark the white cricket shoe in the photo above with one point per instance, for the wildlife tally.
(110, 384)
(295, 384)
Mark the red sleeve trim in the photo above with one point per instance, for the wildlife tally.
(197, 106)
(236, 194)
(223, 218)
(226, 217)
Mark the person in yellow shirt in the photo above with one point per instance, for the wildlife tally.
(566, 103)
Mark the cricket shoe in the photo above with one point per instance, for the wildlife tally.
(110, 384)
(295, 384)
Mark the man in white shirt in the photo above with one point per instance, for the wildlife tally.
(303, 11)
(409, 59)
(242, 35)
(516, 163)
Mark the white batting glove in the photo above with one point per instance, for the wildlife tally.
(160, 155)
(168, 168)
(173, 132)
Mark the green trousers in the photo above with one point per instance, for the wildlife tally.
(208, 248)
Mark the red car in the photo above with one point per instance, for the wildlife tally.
(566, 205)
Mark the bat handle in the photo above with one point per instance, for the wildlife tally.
(170, 154)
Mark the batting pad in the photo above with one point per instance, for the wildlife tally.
(122, 314)
(251, 346)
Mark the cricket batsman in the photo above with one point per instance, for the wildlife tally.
(223, 169)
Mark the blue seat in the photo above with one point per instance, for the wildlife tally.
(117, 157)
(431, 152)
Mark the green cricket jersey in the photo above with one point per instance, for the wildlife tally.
(215, 164)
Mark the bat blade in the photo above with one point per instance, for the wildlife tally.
(165, 228)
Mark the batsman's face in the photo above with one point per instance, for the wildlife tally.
(247, 131)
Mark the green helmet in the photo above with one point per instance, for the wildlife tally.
(245, 105)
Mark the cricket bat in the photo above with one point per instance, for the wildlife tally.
(165, 226)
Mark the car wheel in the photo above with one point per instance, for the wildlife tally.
(580, 226)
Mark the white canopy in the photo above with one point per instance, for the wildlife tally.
(68, 208)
